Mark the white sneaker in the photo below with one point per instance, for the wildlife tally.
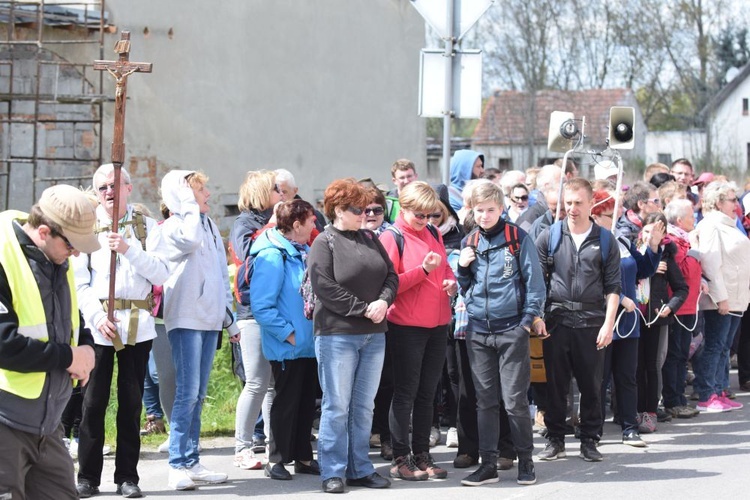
(106, 450)
(247, 460)
(199, 473)
(180, 480)
(451, 439)
(164, 447)
(73, 449)
(434, 436)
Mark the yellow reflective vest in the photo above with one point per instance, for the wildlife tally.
(27, 304)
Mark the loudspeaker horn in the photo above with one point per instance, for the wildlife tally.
(562, 131)
(621, 127)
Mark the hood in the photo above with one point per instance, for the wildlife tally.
(170, 185)
(442, 192)
(461, 165)
(273, 238)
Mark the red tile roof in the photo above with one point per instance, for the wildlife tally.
(503, 119)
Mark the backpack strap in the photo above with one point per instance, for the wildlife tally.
(139, 227)
(511, 236)
(398, 237)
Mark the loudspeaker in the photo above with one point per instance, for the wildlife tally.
(621, 124)
(562, 131)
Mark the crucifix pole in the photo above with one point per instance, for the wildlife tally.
(120, 70)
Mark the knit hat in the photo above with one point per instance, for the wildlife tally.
(72, 210)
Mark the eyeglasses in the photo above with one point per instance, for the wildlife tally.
(421, 216)
(520, 198)
(65, 240)
(355, 210)
(609, 216)
(732, 200)
(374, 211)
(106, 187)
(655, 201)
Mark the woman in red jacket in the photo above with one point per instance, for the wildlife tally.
(418, 327)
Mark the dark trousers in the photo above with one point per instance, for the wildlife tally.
(571, 352)
(648, 369)
(466, 423)
(743, 349)
(674, 371)
(620, 361)
(293, 410)
(384, 396)
(450, 383)
(418, 355)
(501, 369)
(131, 372)
(34, 467)
(71, 417)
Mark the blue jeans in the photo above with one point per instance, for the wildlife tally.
(193, 354)
(712, 366)
(349, 369)
(151, 389)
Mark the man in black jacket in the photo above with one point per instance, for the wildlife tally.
(44, 347)
(583, 295)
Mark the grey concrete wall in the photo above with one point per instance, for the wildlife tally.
(324, 88)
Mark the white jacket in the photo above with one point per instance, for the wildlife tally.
(724, 259)
(137, 270)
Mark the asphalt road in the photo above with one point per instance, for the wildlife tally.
(704, 457)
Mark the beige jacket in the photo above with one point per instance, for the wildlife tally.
(725, 252)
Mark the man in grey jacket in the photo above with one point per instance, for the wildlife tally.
(583, 295)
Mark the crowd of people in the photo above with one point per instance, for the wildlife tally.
(390, 313)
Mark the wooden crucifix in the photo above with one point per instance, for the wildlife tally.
(120, 70)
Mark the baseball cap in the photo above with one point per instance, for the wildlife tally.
(73, 211)
(605, 169)
(704, 178)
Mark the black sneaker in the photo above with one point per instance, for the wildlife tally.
(662, 415)
(555, 449)
(86, 489)
(526, 473)
(632, 438)
(485, 474)
(589, 452)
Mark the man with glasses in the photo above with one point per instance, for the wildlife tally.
(137, 270)
(682, 170)
(44, 347)
(640, 200)
(519, 201)
(286, 186)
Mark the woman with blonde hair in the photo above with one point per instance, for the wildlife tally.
(259, 194)
(418, 325)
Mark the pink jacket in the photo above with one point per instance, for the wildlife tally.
(421, 300)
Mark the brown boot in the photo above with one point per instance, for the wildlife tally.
(405, 468)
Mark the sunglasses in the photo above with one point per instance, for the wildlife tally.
(421, 216)
(65, 240)
(355, 210)
(520, 198)
(375, 211)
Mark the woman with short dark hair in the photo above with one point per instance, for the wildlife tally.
(354, 284)
(280, 256)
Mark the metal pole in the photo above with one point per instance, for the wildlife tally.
(448, 111)
(618, 191)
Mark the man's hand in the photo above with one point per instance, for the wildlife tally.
(235, 338)
(539, 327)
(467, 256)
(723, 307)
(605, 336)
(107, 328)
(376, 311)
(117, 243)
(82, 364)
(665, 312)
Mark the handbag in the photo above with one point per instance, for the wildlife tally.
(305, 288)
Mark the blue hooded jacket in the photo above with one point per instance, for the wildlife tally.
(462, 165)
(276, 303)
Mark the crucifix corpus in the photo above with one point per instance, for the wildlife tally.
(120, 70)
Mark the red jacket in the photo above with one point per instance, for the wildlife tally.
(421, 300)
(691, 271)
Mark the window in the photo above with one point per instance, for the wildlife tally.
(504, 164)
(665, 158)
(744, 107)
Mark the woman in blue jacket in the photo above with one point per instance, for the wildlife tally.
(279, 262)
